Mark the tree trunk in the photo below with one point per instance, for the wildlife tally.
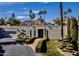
(68, 26)
(61, 16)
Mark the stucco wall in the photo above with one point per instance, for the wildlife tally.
(53, 33)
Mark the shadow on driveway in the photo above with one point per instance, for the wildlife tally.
(2, 51)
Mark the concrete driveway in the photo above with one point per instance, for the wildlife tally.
(17, 50)
(11, 48)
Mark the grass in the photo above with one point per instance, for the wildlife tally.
(51, 49)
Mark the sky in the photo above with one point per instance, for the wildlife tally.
(20, 9)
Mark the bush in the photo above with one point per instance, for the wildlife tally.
(30, 40)
(63, 45)
(41, 46)
(20, 40)
(69, 46)
(74, 33)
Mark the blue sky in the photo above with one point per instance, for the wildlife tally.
(21, 9)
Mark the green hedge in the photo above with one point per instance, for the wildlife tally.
(20, 40)
(25, 40)
(41, 46)
(30, 41)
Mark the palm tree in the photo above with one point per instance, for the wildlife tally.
(42, 15)
(42, 12)
(67, 14)
(13, 15)
(13, 21)
(69, 11)
(31, 16)
(61, 16)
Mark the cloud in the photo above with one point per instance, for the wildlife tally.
(36, 12)
(36, 18)
(44, 2)
(27, 17)
(24, 8)
(3, 3)
(10, 11)
(20, 17)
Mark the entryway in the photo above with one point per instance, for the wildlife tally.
(40, 33)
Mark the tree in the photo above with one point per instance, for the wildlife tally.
(13, 21)
(61, 16)
(10, 22)
(57, 21)
(2, 21)
(67, 14)
(31, 16)
(74, 33)
(42, 16)
(13, 16)
(69, 11)
(41, 13)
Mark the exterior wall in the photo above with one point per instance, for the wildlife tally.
(53, 33)
(6, 31)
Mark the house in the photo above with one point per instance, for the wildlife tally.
(41, 31)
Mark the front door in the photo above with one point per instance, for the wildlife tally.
(40, 33)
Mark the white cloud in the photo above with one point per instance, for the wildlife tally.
(44, 2)
(36, 12)
(20, 17)
(10, 11)
(36, 18)
(27, 17)
(24, 8)
(3, 3)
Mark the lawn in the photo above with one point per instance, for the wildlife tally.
(51, 49)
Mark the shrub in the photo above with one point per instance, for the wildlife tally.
(20, 40)
(74, 33)
(38, 47)
(69, 46)
(41, 46)
(63, 45)
(30, 40)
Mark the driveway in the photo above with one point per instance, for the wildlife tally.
(15, 49)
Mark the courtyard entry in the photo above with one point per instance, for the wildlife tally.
(40, 33)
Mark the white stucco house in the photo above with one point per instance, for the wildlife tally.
(52, 31)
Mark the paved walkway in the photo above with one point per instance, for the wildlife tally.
(34, 44)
